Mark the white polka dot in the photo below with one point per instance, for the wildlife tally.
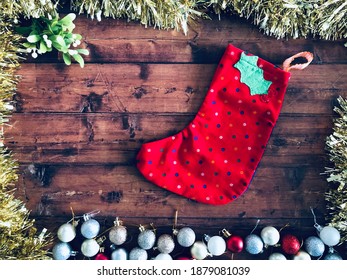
(240, 101)
(216, 114)
(211, 90)
(225, 161)
(178, 186)
(244, 124)
(202, 174)
(249, 148)
(232, 53)
(174, 162)
(208, 198)
(149, 150)
(236, 78)
(268, 112)
(198, 150)
(231, 184)
(150, 174)
(261, 65)
(173, 137)
(221, 137)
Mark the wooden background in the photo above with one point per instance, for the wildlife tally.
(76, 131)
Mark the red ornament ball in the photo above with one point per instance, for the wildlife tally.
(290, 244)
(235, 244)
(101, 257)
(183, 258)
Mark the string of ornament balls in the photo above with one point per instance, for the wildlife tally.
(81, 238)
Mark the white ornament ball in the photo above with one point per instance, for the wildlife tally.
(66, 232)
(270, 235)
(90, 247)
(216, 245)
(199, 250)
(302, 255)
(138, 254)
(277, 256)
(146, 239)
(118, 235)
(90, 228)
(165, 244)
(61, 251)
(186, 237)
(163, 257)
(330, 236)
(119, 254)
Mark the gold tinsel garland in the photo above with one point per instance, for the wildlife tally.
(336, 145)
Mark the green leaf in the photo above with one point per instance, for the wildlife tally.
(68, 19)
(60, 40)
(79, 59)
(33, 38)
(67, 58)
(43, 47)
(29, 45)
(83, 51)
(23, 30)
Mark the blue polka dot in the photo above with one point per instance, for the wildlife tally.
(174, 150)
(237, 89)
(187, 162)
(216, 174)
(234, 196)
(213, 102)
(200, 161)
(176, 174)
(196, 138)
(218, 125)
(192, 186)
(228, 173)
(222, 149)
(204, 186)
(242, 112)
(221, 197)
(150, 162)
(161, 150)
(210, 149)
(206, 125)
(246, 136)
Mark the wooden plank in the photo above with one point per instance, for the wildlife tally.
(279, 192)
(281, 150)
(40, 128)
(122, 41)
(178, 88)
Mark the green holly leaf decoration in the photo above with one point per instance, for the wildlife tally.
(252, 75)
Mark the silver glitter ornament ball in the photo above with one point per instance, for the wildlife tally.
(332, 256)
(254, 244)
(277, 257)
(66, 232)
(146, 239)
(165, 244)
(61, 251)
(163, 257)
(90, 228)
(119, 254)
(90, 248)
(138, 254)
(118, 235)
(314, 246)
(186, 237)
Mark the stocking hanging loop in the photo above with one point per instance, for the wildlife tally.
(286, 64)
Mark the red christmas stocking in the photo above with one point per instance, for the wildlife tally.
(214, 158)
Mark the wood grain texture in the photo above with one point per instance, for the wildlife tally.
(76, 132)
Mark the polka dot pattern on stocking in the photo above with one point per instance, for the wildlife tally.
(214, 158)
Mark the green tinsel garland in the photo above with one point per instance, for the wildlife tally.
(336, 145)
